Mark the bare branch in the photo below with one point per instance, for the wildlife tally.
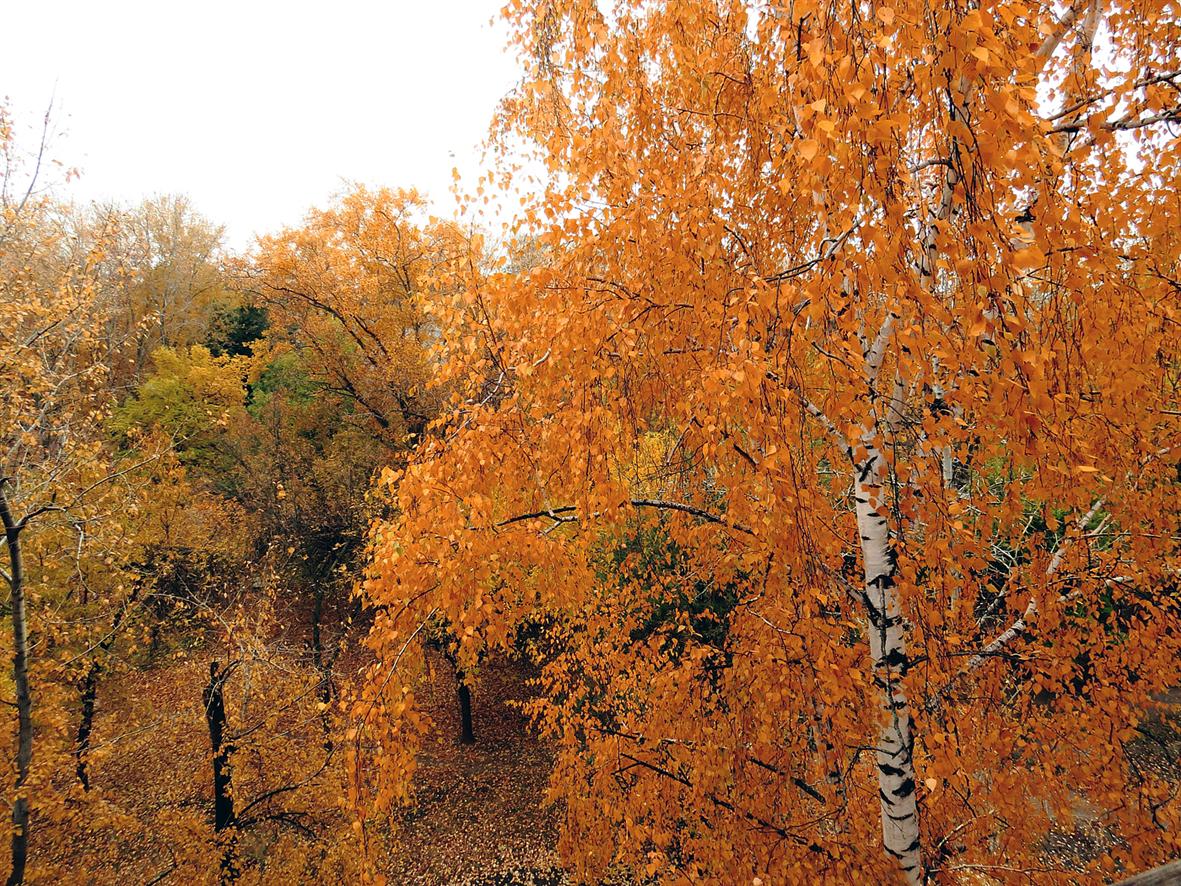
(828, 248)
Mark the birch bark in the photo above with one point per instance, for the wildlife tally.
(887, 638)
(887, 647)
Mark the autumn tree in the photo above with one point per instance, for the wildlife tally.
(50, 418)
(345, 377)
(160, 270)
(111, 552)
(183, 482)
(865, 316)
(349, 287)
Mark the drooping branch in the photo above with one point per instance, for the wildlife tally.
(568, 514)
(643, 740)
(1151, 80)
(1125, 124)
(282, 789)
(828, 248)
(829, 426)
(1017, 627)
(81, 496)
(723, 803)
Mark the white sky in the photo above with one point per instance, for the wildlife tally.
(257, 109)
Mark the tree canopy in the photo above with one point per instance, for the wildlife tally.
(868, 312)
(791, 484)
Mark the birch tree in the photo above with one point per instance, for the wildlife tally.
(870, 311)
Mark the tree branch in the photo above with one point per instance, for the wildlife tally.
(556, 514)
(727, 805)
(994, 648)
(828, 248)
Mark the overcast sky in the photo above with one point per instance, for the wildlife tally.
(258, 109)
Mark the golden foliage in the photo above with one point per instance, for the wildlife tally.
(898, 285)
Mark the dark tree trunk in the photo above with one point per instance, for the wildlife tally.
(24, 696)
(223, 798)
(465, 710)
(317, 640)
(89, 692)
(324, 691)
(89, 689)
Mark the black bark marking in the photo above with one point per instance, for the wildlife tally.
(867, 468)
(896, 658)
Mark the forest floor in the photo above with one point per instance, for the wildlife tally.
(479, 818)
(1154, 753)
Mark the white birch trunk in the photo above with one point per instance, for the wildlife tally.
(887, 647)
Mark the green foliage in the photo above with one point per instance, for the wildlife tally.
(683, 606)
(233, 330)
(284, 375)
(191, 397)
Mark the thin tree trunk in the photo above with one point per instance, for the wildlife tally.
(223, 798)
(467, 736)
(86, 723)
(886, 628)
(89, 692)
(887, 636)
(317, 641)
(322, 668)
(24, 698)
